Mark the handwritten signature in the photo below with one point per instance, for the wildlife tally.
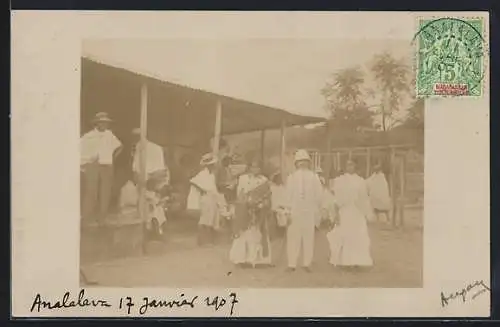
(479, 287)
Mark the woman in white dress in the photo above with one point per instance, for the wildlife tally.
(251, 245)
(205, 196)
(349, 239)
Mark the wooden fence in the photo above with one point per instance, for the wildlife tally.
(402, 165)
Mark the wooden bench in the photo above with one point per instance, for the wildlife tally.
(122, 234)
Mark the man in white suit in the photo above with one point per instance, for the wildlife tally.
(304, 194)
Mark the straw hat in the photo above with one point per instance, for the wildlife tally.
(208, 159)
(301, 155)
(102, 117)
(276, 173)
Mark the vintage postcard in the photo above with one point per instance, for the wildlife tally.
(250, 164)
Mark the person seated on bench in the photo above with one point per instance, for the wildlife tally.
(155, 202)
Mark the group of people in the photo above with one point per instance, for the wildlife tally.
(258, 208)
(99, 149)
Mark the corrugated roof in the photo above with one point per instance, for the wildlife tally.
(209, 66)
(177, 114)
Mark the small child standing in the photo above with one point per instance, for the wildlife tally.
(278, 205)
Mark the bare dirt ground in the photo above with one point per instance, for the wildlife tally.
(397, 253)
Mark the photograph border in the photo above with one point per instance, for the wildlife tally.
(494, 242)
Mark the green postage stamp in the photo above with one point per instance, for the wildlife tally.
(450, 57)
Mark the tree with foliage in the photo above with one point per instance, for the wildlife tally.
(345, 100)
(393, 79)
(415, 118)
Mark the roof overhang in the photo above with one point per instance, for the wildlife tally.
(174, 111)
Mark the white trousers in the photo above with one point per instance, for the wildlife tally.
(300, 236)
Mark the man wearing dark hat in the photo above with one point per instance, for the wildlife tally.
(98, 149)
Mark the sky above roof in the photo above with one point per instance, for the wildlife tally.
(283, 73)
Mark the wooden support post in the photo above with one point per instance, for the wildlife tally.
(329, 158)
(283, 150)
(143, 209)
(402, 186)
(368, 162)
(217, 128)
(350, 154)
(262, 145)
(392, 164)
(339, 163)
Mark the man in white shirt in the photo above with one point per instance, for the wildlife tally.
(304, 195)
(98, 149)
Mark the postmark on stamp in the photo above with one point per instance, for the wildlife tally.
(450, 57)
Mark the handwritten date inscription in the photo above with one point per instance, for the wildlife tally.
(129, 304)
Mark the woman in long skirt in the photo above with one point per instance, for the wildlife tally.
(349, 239)
(251, 245)
(205, 196)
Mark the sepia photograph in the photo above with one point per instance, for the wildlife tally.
(250, 164)
(310, 175)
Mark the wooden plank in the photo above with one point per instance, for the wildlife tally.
(283, 149)
(143, 209)
(329, 161)
(378, 147)
(263, 145)
(392, 189)
(217, 128)
(339, 163)
(316, 160)
(402, 186)
(368, 162)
